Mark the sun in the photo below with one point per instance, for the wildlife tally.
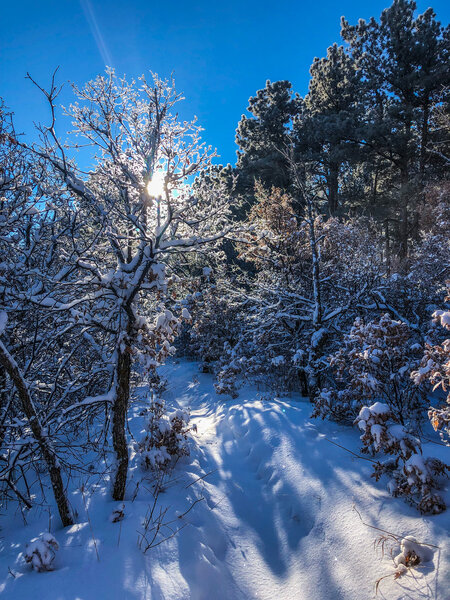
(155, 186)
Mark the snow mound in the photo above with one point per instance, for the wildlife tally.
(412, 554)
(41, 552)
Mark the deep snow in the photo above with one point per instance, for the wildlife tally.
(275, 519)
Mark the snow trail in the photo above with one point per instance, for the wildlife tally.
(282, 498)
(273, 518)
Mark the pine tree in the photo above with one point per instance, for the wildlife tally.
(326, 129)
(263, 137)
(404, 64)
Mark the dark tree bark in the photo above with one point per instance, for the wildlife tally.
(120, 411)
(333, 188)
(388, 246)
(424, 138)
(62, 502)
(404, 205)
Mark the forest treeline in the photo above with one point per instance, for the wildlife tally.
(369, 135)
(318, 263)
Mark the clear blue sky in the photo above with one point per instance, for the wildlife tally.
(220, 52)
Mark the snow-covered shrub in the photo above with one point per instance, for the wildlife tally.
(308, 272)
(381, 435)
(216, 337)
(417, 480)
(335, 404)
(430, 254)
(411, 476)
(412, 554)
(374, 364)
(155, 338)
(40, 553)
(156, 383)
(216, 322)
(231, 368)
(118, 514)
(166, 437)
(435, 368)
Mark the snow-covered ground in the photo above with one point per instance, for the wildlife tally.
(274, 517)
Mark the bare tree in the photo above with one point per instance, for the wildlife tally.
(9, 364)
(130, 215)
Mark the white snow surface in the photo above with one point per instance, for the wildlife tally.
(275, 520)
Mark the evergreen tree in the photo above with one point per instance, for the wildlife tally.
(404, 64)
(263, 137)
(325, 131)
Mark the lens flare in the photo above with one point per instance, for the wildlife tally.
(155, 186)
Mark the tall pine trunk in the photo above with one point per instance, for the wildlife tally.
(388, 246)
(405, 192)
(333, 188)
(424, 137)
(404, 205)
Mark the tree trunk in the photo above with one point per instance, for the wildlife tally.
(48, 455)
(317, 314)
(404, 203)
(310, 369)
(375, 187)
(424, 138)
(388, 246)
(3, 400)
(120, 411)
(333, 189)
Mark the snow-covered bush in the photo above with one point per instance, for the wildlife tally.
(308, 274)
(118, 514)
(435, 368)
(374, 363)
(411, 476)
(40, 553)
(335, 404)
(417, 480)
(227, 379)
(216, 321)
(381, 435)
(156, 383)
(218, 336)
(230, 371)
(412, 554)
(430, 256)
(166, 437)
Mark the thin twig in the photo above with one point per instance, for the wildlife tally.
(120, 531)
(90, 523)
(401, 537)
(202, 477)
(351, 452)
